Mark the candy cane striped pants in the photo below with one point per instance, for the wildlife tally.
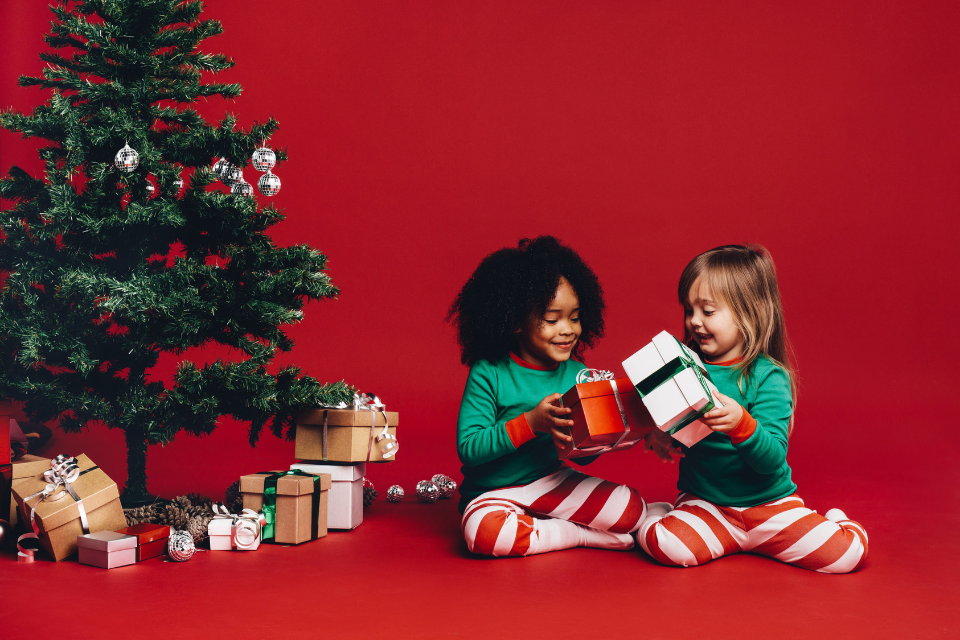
(697, 531)
(563, 510)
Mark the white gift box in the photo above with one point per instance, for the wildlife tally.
(675, 404)
(234, 534)
(107, 549)
(345, 500)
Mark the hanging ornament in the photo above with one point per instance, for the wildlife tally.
(242, 188)
(127, 159)
(231, 175)
(177, 185)
(151, 191)
(395, 493)
(427, 491)
(264, 159)
(219, 166)
(180, 546)
(269, 184)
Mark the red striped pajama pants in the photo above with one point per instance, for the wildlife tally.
(505, 522)
(697, 531)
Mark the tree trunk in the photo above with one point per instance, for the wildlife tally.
(135, 491)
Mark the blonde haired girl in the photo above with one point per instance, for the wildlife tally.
(736, 491)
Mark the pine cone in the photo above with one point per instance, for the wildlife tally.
(183, 502)
(198, 500)
(140, 514)
(369, 495)
(198, 526)
(233, 498)
(173, 515)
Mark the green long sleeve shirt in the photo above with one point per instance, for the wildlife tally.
(736, 472)
(494, 442)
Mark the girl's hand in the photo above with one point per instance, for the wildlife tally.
(725, 418)
(546, 417)
(662, 445)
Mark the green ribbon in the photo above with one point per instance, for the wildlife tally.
(670, 369)
(270, 502)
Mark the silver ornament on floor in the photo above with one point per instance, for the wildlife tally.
(395, 493)
(428, 491)
(127, 159)
(264, 159)
(448, 488)
(231, 175)
(242, 188)
(180, 546)
(269, 184)
(439, 477)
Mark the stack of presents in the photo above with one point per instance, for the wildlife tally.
(71, 504)
(73, 507)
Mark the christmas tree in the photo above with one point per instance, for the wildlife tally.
(110, 262)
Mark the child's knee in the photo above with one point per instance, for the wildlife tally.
(498, 532)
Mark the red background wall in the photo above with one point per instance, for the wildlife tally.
(425, 135)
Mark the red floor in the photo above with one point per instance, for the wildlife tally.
(406, 573)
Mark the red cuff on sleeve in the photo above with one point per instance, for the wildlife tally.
(744, 429)
(519, 431)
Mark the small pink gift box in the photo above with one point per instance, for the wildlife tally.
(107, 549)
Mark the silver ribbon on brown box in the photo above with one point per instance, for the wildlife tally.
(61, 475)
(387, 443)
(247, 526)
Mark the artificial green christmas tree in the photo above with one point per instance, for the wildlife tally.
(110, 262)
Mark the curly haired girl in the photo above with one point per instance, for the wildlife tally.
(523, 320)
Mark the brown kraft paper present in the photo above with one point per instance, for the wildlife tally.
(26, 467)
(348, 435)
(301, 514)
(59, 520)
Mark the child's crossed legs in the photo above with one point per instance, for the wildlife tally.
(563, 510)
(697, 531)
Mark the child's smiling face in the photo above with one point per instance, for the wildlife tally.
(711, 324)
(551, 341)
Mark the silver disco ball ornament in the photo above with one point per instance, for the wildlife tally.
(269, 184)
(242, 188)
(448, 488)
(428, 491)
(438, 478)
(180, 546)
(395, 493)
(219, 166)
(127, 159)
(264, 159)
(231, 175)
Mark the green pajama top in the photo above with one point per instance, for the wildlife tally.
(494, 442)
(744, 468)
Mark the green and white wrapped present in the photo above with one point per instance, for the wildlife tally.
(674, 386)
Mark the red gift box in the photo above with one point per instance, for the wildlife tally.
(151, 539)
(598, 424)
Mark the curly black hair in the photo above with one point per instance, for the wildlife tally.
(512, 285)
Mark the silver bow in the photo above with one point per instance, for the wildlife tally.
(247, 525)
(386, 442)
(593, 375)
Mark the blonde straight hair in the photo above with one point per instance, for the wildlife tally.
(745, 280)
